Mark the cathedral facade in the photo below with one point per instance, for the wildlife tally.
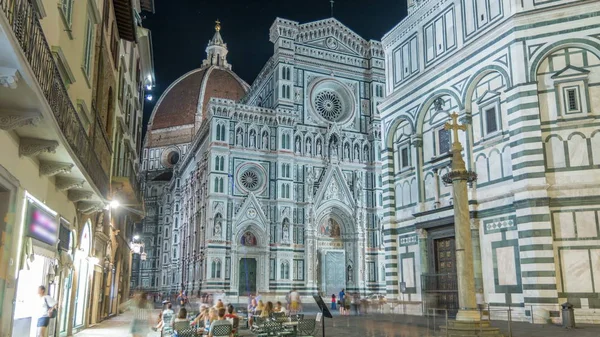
(274, 186)
(524, 77)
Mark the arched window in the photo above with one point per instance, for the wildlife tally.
(221, 132)
(215, 269)
(217, 163)
(221, 189)
(216, 184)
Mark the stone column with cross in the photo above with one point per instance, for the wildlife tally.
(459, 177)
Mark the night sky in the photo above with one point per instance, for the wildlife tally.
(181, 30)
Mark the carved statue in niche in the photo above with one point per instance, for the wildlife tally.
(319, 148)
(298, 144)
(248, 239)
(265, 140)
(356, 152)
(239, 138)
(308, 146)
(285, 236)
(347, 151)
(349, 269)
(366, 153)
(252, 139)
(333, 146)
(218, 228)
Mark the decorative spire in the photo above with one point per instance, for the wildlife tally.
(216, 50)
(331, 2)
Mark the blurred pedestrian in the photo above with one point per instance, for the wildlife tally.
(47, 310)
(142, 311)
(333, 302)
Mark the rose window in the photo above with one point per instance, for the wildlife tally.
(328, 105)
(250, 179)
(332, 101)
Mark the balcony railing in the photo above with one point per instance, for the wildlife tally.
(26, 27)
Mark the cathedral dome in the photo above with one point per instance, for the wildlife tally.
(187, 98)
(189, 95)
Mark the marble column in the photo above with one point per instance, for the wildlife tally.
(462, 226)
(311, 258)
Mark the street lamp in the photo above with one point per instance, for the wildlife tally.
(114, 204)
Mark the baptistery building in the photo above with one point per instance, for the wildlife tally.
(274, 186)
(524, 78)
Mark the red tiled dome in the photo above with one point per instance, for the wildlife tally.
(180, 102)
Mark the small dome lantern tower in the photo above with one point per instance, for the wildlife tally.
(216, 50)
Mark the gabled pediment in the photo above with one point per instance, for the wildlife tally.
(333, 44)
(488, 96)
(333, 35)
(251, 211)
(334, 187)
(570, 71)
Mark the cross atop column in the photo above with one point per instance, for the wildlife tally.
(454, 126)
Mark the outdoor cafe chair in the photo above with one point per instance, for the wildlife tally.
(269, 328)
(221, 330)
(306, 328)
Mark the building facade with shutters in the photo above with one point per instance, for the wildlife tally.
(58, 129)
(523, 76)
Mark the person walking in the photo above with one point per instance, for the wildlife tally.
(356, 303)
(167, 318)
(295, 302)
(142, 310)
(333, 302)
(47, 310)
(341, 297)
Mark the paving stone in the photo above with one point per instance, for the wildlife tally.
(375, 325)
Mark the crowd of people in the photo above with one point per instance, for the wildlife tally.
(346, 303)
(204, 322)
(209, 316)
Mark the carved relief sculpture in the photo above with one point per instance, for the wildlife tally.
(252, 139)
(265, 140)
(239, 138)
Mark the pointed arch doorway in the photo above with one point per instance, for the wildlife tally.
(335, 255)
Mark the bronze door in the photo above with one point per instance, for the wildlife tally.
(445, 265)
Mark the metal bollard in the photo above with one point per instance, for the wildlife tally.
(446, 322)
(509, 322)
(568, 315)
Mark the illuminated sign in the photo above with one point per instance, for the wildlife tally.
(41, 225)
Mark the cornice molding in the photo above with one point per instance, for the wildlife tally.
(67, 183)
(12, 119)
(30, 147)
(79, 195)
(51, 168)
(9, 77)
